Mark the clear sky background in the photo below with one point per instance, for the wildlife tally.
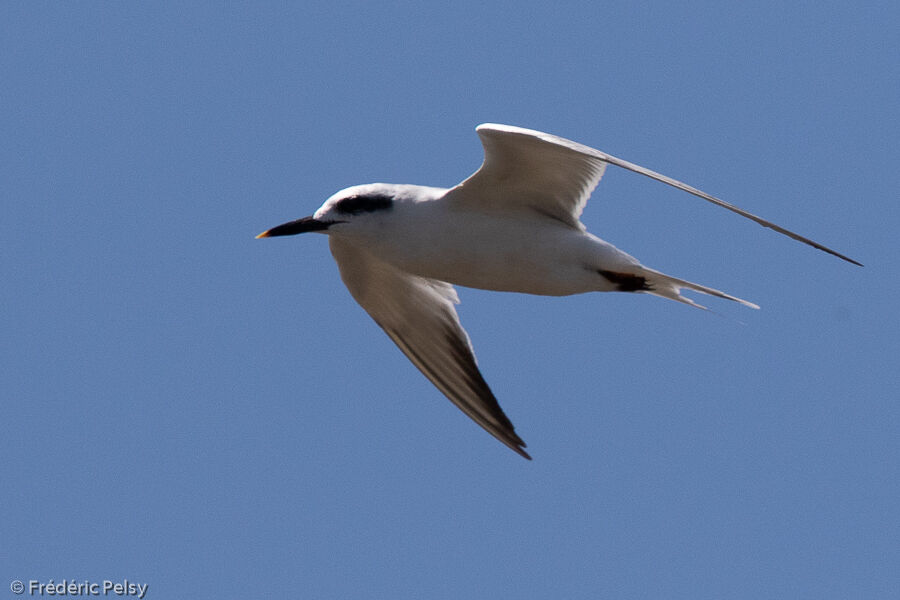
(191, 408)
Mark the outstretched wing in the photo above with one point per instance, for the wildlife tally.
(419, 315)
(526, 169)
(554, 176)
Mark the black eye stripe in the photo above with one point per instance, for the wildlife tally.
(360, 204)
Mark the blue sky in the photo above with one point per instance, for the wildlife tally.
(187, 407)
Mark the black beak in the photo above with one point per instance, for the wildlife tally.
(304, 225)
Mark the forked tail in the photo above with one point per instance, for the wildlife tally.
(665, 286)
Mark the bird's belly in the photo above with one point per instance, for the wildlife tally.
(522, 271)
(557, 262)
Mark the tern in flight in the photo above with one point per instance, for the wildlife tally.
(513, 226)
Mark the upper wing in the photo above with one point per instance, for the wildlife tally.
(418, 314)
(528, 169)
(555, 176)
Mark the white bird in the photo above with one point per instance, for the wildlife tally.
(513, 226)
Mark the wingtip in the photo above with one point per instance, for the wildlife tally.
(513, 441)
(828, 250)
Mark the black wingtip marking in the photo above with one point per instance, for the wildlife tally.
(461, 356)
(506, 432)
(627, 282)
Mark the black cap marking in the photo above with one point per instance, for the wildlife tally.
(354, 205)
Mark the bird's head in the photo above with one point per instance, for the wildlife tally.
(354, 204)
